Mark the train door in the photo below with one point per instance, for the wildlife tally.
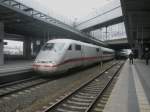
(73, 56)
(68, 57)
(83, 54)
(78, 55)
(100, 56)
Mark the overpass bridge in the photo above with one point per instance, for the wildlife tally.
(17, 18)
(23, 20)
(108, 15)
(118, 44)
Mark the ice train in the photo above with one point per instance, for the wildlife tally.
(59, 55)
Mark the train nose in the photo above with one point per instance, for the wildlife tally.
(45, 67)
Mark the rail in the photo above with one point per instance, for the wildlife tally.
(85, 96)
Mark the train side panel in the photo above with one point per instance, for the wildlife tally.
(107, 54)
(72, 56)
(90, 55)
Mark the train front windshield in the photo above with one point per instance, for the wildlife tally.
(53, 46)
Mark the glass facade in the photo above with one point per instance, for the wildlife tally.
(116, 31)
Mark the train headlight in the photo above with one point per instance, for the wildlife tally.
(52, 62)
(36, 62)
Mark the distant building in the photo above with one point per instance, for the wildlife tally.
(13, 47)
(13, 51)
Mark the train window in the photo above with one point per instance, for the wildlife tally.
(97, 49)
(53, 46)
(78, 47)
(48, 46)
(70, 47)
(105, 52)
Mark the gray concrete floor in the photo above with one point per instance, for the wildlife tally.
(132, 90)
(13, 66)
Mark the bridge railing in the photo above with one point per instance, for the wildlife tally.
(103, 15)
(37, 14)
(32, 12)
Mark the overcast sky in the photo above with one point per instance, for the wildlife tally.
(71, 9)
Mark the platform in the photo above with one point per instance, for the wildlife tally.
(132, 90)
(14, 67)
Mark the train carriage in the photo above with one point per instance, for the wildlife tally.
(59, 55)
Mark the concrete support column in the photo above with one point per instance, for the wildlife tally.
(27, 48)
(1, 43)
(140, 51)
(36, 47)
(106, 33)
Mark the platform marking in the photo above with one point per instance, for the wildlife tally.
(144, 105)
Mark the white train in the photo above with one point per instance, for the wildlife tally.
(60, 55)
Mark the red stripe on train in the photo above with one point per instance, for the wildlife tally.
(68, 61)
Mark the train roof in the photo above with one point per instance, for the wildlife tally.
(69, 41)
(60, 40)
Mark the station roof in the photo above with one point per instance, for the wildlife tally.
(24, 20)
(137, 21)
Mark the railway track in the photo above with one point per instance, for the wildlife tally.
(17, 82)
(104, 97)
(11, 88)
(17, 86)
(83, 98)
